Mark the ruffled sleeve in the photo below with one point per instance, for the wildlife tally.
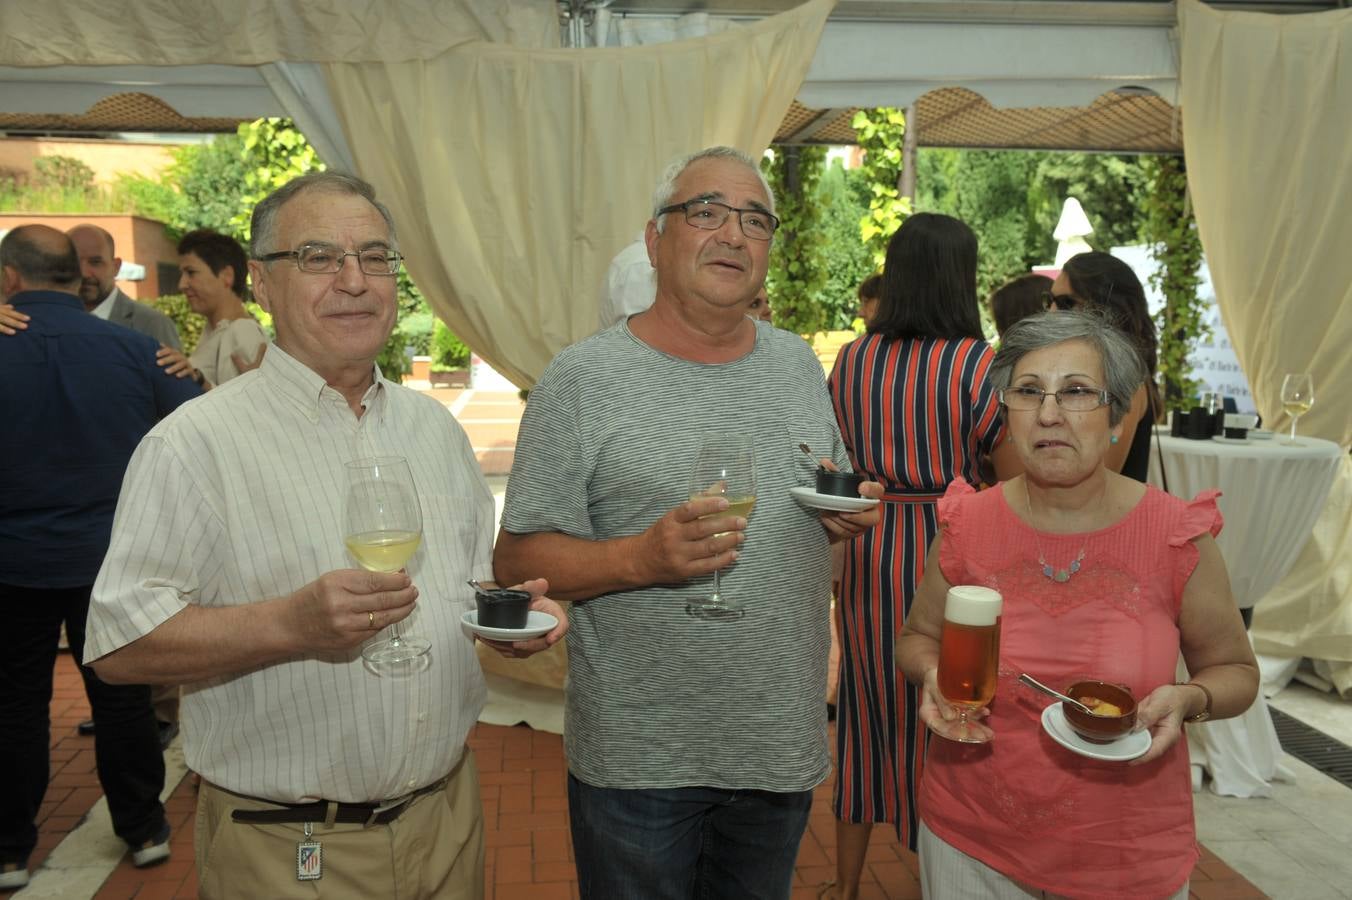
(951, 508)
(1200, 516)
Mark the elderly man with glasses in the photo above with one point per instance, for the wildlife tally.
(228, 574)
(695, 734)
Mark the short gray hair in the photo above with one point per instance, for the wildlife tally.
(264, 222)
(1123, 370)
(666, 188)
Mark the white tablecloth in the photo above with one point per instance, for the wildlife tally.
(1271, 496)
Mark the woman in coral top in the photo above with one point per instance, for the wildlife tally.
(1102, 578)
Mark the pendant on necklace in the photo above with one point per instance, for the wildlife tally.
(1060, 576)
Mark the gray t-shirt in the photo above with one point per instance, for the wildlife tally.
(655, 698)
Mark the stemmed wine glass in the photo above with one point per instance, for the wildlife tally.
(1297, 398)
(969, 655)
(725, 467)
(383, 524)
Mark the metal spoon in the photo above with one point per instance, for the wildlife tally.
(805, 448)
(1039, 686)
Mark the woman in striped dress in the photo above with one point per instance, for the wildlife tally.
(915, 411)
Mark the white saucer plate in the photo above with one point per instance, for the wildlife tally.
(1258, 434)
(806, 496)
(1123, 749)
(537, 623)
(1222, 439)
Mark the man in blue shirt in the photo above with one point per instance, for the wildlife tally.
(79, 395)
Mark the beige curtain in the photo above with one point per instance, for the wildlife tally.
(515, 175)
(1265, 103)
(1266, 100)
(253, 32)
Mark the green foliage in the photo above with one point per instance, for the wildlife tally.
(880, 135)
(845, 257)
(1171, 231)
(796, 275)
(275, 152)
(448, 352)
(64, 173)
(1111, 188)
(59, 184)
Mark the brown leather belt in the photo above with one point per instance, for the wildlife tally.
(331, 811)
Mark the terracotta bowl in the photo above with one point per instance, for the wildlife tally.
(502, 608)
(1095, 728)
(838, 484)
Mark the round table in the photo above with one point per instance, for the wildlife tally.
(1271, 495)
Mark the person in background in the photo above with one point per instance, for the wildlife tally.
(693, 744)
(916, 411)
(1101, 281)
(214, 273)
(870, 292)
(79, 395)
(760, 306)
(99, 265)
(1102, 578)
(1017, 299)
(228, 573)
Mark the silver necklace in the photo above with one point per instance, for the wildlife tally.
(1060, 576)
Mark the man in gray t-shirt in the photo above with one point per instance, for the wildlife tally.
(693, 743)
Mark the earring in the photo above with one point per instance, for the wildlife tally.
(1112, 439)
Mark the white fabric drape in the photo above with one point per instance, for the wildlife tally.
(516, 175)
(253, 32)
(1265, 101)
(1265, 130)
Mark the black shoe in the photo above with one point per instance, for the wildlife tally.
(168, 731)
(86, 728)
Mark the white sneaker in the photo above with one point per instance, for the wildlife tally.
(11, 879)
(152, 851)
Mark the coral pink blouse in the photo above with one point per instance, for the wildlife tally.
(1022, 804)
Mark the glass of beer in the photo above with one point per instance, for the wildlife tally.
(969, 655)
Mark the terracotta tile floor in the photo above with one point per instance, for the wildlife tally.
(525, 810)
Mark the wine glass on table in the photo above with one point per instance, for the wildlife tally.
(725, 467)
(382, 522)
(1297, 398)
(969, 655)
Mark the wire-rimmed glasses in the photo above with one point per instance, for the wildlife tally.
(1076, 398)
(757, 224)
(325, 259)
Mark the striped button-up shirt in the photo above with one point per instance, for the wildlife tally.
(238, 498)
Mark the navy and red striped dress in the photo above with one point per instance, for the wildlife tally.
(915, 413)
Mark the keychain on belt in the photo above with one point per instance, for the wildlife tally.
(309, 857)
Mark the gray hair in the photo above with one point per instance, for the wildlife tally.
(666, 188)
(264, 222)
(1123, 370)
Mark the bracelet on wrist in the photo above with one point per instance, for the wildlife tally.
(1206, 710)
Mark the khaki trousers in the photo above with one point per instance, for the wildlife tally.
(435, 849)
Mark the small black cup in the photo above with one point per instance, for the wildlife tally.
(838, 484)
(502, 607)
(1178, 425)
(1236, 434)
(1200, 427)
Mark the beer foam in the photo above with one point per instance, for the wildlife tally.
(968, 604)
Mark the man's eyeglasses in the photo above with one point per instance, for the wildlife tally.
(710, 215)
(1077, 398)
(1064, 302)
(325, 259)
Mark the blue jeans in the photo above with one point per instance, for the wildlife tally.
(684, 843)
(127, 750)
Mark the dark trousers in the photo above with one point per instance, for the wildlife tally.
(126, 742)
(695, 843)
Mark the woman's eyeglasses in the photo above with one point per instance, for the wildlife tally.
(1063, 302)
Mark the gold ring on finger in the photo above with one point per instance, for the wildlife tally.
(371, 619)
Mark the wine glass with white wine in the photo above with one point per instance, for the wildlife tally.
(382, 522)
(725, 467)
(1297, 398)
